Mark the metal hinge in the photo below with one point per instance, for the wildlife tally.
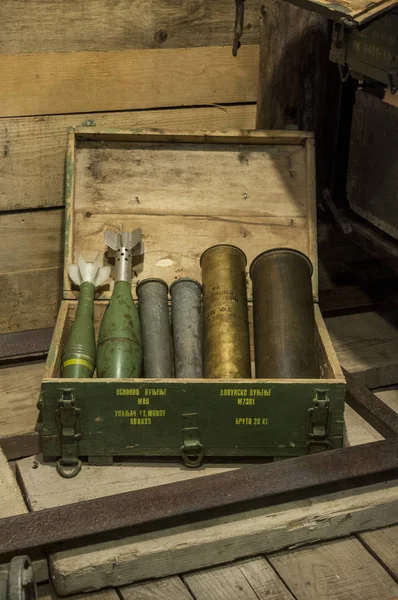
(319, 419)
(69, 424)
(192, 451)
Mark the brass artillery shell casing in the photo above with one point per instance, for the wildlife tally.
(225, 314)
(283, 315)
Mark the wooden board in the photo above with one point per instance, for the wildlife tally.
(47, 592)
(290, 38)
(122, 80)
(251, 580)
(96, 482)
(31, 300)
(20, 445)
(350, 299)
(62, 26)
(367, 346)
(294, 64)
(383, 543)
(260, 196)
(31, 253)
(20, 388)
(195, 546)
(11, 501)
(169, 588)
(356, 11)
(390, 98)
(31, 240)
(32, 163)
(341, 570)
(357, 430)
(180, 179)
(389, 396)
(373, 163)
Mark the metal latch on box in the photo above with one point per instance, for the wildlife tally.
(319, 419)
(69, 424)
(192, 451)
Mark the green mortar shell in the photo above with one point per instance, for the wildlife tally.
(78, 358)
(119, 342)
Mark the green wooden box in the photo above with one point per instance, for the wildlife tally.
(253, 189)
(370, 53)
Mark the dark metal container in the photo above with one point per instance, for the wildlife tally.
(187, 320)
(283, 314)
(155, 328)
(225, 315)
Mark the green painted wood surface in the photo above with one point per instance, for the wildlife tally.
(144, 417)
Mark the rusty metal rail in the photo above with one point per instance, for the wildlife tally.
(244, 488)
(371, 408)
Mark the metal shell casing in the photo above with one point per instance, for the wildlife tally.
(283, 314)
(155, 328)
(225, 313)
(187, 320)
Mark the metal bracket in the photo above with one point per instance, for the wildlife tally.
(393, 81)
(21, 584)
(344, 76)
(239, 22)
(339, 34)
(69, 424)
(319, 419)
(192, 451)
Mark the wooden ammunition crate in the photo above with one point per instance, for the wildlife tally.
(372, 189)
(253, 189)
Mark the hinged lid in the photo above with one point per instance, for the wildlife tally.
(354, 13)
(253, 189)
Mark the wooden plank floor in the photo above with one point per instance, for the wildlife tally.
(343, 569)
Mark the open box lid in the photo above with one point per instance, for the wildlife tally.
(187, 192)
(353, 13)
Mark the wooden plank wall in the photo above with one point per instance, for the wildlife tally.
(122, 64)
